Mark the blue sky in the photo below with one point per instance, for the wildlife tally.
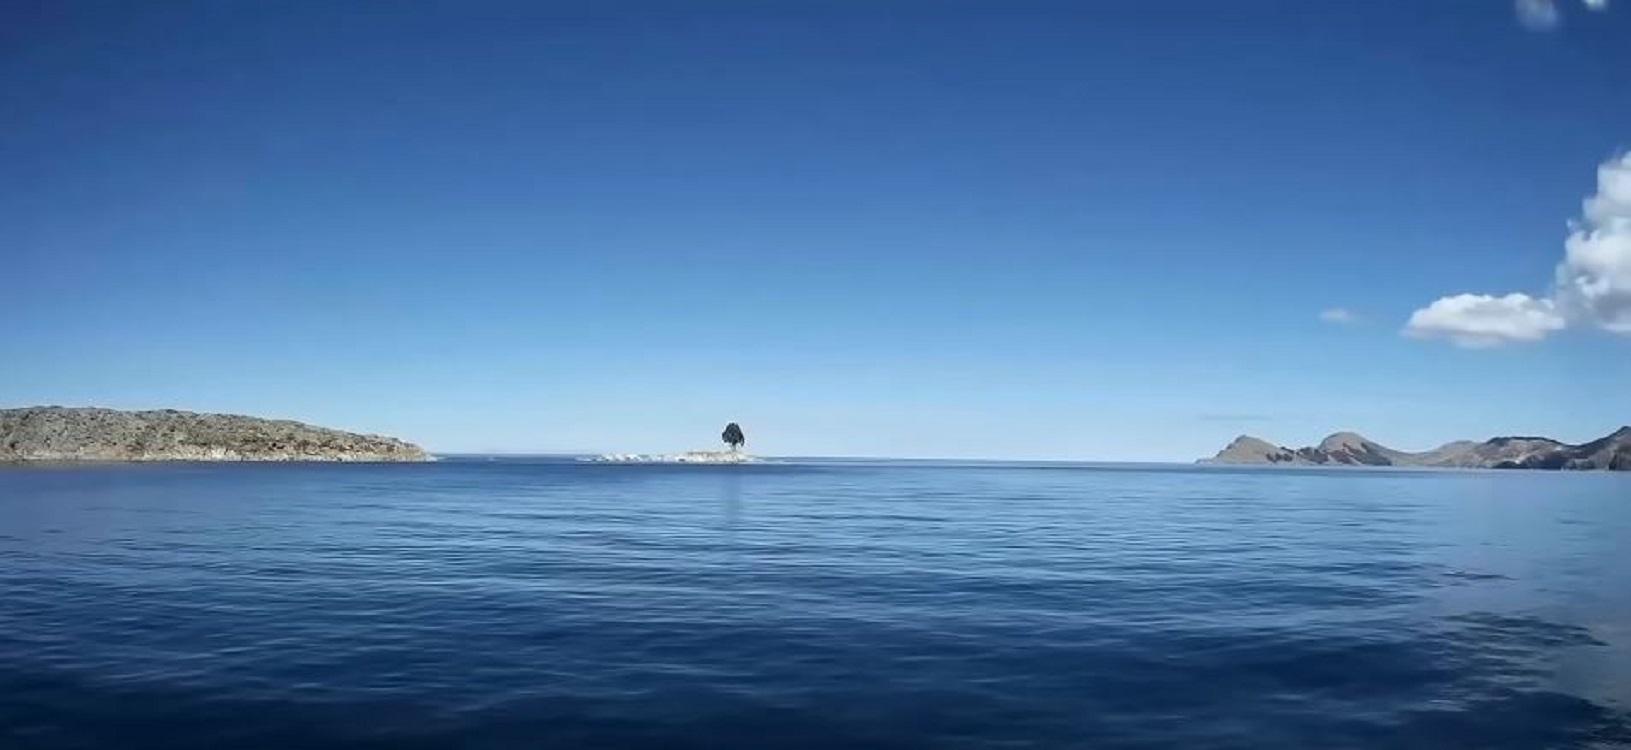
(1052, 230)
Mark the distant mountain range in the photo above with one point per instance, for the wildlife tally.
(1348, 449)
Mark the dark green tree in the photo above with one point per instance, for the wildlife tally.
(733, 436)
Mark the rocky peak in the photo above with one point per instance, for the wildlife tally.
(1246, 449)
(1349, 448)
(1350, 441)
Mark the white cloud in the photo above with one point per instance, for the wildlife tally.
(1480, 321)
(1592, 285)
(1538, 15)
(1544, 15)
(1594, 280)
(1339, 316)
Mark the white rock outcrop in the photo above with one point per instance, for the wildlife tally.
(689, 457)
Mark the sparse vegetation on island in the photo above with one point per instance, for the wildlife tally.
(56, 433)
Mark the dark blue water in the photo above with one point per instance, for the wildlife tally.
(516, 604)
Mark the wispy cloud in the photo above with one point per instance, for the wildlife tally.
(1592, 285)
(1545, 15)
(1538, 15)
(1339, 315)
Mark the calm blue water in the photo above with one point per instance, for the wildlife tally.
(539, 603)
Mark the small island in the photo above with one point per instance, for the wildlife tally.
(688, 457)
(1612, 452)
(732, 436)
(56, 433)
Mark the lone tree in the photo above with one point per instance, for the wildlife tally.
(733, 436)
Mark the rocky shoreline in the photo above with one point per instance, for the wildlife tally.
(56, 433)
(689, 457)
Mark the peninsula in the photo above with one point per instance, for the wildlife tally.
(1612, 452)
(56, 433)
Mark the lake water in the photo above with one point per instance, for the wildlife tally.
(548, 603)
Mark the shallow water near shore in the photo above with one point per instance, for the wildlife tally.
(538, 602)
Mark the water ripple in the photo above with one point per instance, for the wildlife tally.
(542, 603)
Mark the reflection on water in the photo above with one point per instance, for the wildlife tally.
(730, 494)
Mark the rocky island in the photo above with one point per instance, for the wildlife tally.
(732, 436)
(1612, 452)
(688, 457)
(56, 433)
